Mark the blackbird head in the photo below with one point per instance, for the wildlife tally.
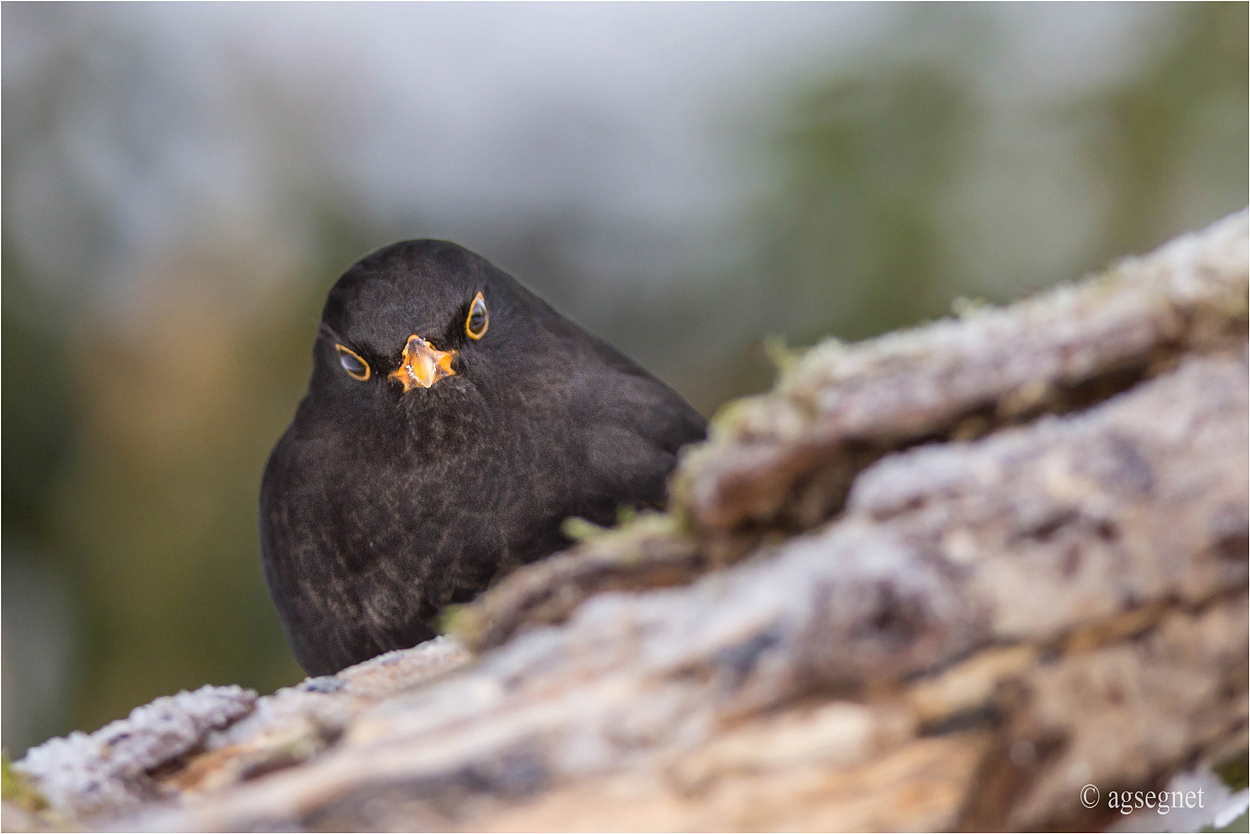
(426, 327)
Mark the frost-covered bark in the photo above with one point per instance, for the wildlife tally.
(941, 579)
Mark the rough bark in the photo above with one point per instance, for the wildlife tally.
(937, 580)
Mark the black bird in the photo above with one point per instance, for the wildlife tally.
(452, 423)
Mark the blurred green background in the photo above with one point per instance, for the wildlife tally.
(182, 183)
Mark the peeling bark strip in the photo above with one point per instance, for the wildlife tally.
(987, 625)
(1051, 353)
(109, 770)
(214, 736)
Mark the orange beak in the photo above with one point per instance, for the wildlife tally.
(423, 364)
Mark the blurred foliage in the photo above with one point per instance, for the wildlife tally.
(34, 369)
(862, 237)
(1240, 823)
(1157, 133)
(135, 431)
(1235, 773)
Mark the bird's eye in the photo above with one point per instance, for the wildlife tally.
(477, 322)
(356, 367)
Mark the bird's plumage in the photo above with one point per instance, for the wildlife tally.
(381, 505)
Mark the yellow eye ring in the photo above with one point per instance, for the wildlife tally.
(477, 322)
(356, 367)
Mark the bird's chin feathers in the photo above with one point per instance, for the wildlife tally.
(446, 414)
